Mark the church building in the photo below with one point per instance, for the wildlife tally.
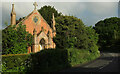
(36, 25)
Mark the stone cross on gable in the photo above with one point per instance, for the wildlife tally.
(35, 4)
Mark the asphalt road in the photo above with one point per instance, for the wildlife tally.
(107, 62)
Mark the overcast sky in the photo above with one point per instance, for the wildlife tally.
(89, 11)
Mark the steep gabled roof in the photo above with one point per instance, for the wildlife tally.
(31, 14)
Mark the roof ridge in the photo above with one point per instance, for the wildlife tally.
(39, 14)
(25, 17)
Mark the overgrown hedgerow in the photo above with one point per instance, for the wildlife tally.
(47, 60)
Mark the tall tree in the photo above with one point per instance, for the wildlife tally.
(108, 30)
(71, 32)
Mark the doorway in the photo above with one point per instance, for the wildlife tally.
(42, 43)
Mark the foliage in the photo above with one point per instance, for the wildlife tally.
(15, 63)
(71, 32)
(108, 30)
(47, 11)
(15, 40)
(76, 56)
(43, 61)
(0, 42)
(50, 60)
(47, 60)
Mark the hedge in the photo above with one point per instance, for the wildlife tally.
(15, 63)
(47, 60)
(50, 60)
(77, 56)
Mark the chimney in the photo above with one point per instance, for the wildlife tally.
(13, 16)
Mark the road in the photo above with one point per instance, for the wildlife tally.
(107, 62)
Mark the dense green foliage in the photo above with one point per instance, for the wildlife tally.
(109, 31)
(76, 56)
(46, 60)
(0, 42)
(47, 11)
(71, 32)
(15, 40)
(50, 60)
(15, 63)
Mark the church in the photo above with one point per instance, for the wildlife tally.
(36, 25)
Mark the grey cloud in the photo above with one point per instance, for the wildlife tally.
(103, 8)
(89, 12)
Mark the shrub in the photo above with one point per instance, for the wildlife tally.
(13, 63)
(47, 60)
(76, 56)
(15, 39)
(50, 60)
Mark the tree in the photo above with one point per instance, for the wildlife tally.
(15, 40)
(108, 30)
(47, 11)
(71, 32)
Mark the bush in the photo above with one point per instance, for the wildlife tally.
(15, 63)
(50, 60)
(76, 56)
(47, 60)
(15, 39)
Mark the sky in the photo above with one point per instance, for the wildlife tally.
(89, 11)
(119, 9)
